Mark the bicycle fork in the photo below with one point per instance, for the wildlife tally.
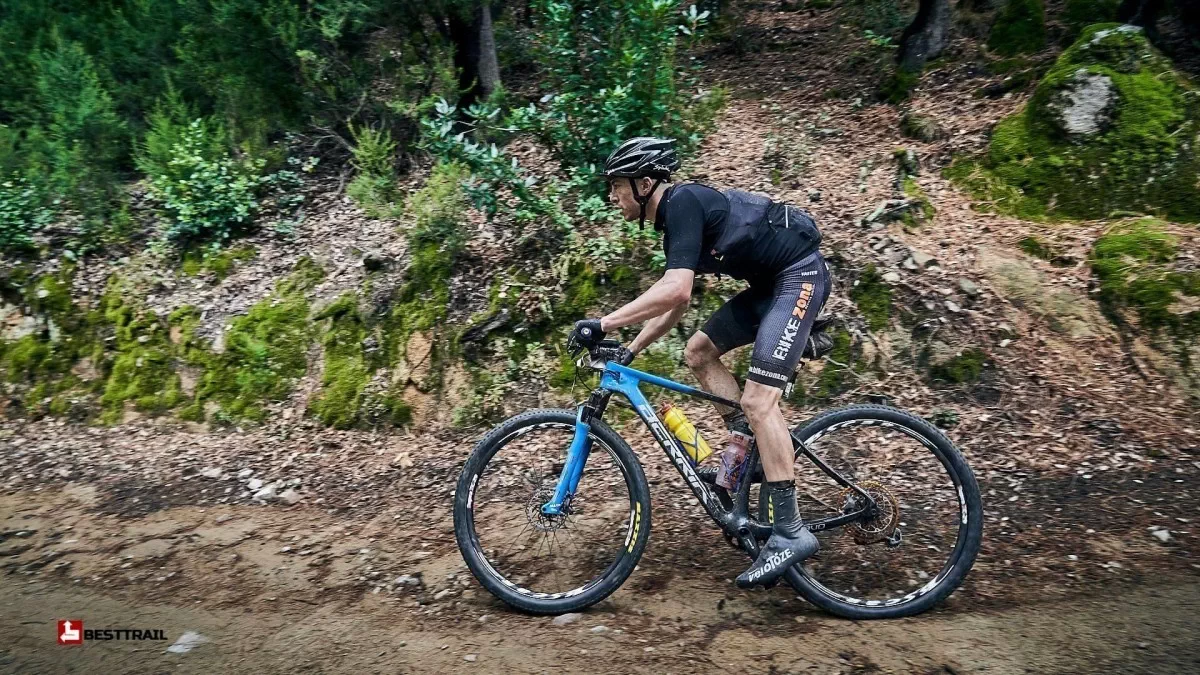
(577, 454)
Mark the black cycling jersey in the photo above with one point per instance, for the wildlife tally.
(694, 218)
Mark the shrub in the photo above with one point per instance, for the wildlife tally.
(374, 160)
(1020, 28)
(610, 72)
(22, 214)
(208, 196)
(83, 136)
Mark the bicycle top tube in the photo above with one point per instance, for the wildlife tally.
(625, 380)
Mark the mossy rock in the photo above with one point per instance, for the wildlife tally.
(965, 367)
(1138, 272)
(265, 351)
(1020, 28)
(1112, 127)
(873, 297)
(346, 371)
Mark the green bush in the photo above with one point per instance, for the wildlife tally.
(374, 159)
(610, 72)
(873, 298)
(1020, 28)
(22, 214)
(84, 138)
(208, 197)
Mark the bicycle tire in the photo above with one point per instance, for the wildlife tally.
(966, 546)
(638, 530)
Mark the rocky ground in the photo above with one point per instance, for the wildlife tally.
(291, 543)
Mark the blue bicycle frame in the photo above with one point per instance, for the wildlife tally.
(733, 518)
(627, 382)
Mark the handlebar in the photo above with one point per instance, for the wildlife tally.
(596, 355)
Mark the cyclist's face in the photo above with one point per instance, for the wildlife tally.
(620, 195)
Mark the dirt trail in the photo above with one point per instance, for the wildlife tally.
(273, 589)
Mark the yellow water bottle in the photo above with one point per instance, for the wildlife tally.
(693, 443)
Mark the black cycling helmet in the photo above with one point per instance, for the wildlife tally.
(643, 157)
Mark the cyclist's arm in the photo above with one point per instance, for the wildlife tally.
(671, 291)
(656, 328)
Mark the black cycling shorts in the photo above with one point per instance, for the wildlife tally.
(777, 319)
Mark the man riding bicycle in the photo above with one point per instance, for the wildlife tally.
(771, 246)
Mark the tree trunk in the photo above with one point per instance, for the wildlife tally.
(926, 36)
(489, 63)
(474, 53)
(1142, 13)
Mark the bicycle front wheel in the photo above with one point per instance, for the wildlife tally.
(926, 530)
(550, 564)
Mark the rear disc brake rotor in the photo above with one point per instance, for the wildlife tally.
(887, 516)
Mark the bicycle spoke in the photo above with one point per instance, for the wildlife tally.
(913, 495)
(551, 554)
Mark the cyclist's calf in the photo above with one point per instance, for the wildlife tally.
(700, 352)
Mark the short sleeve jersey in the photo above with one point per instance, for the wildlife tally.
(692, 217)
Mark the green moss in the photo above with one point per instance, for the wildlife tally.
(1134, 265)
(897, 88)
(1036, 248)
(395, 410)
(1020, 28)
(141, 367)
(967, 366)
(60, 406)
(218, 263)
(1079, 14)
(264, 351)
(1145, 161)
(833, 378)
(28, 359)
(346, 371)
(303, 278)
(925, 210)
(873, 297)
(563, 377)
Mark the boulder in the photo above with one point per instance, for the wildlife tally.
(1111, 127)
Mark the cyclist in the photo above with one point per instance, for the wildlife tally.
(771, 246)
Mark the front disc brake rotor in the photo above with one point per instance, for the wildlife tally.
(887, 516)
(533, 509)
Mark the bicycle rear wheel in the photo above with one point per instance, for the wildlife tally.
(550, 564)
(927, 530)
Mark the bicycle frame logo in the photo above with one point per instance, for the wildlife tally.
(626, 381)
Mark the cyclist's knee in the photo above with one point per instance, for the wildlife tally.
(700, 351)
(760, 400)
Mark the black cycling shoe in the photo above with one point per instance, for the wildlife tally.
(790, 541)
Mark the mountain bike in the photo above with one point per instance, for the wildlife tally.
(552, 509)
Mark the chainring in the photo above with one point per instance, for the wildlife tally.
(885, 521)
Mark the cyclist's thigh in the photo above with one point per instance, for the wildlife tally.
(799, 293)
(736, 323)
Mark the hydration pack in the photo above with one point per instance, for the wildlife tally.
(751, 214)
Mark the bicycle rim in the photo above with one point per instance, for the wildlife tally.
(548, 558)
(915, 542)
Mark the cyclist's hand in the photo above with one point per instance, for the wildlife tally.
(586, 334)
(624, 357)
